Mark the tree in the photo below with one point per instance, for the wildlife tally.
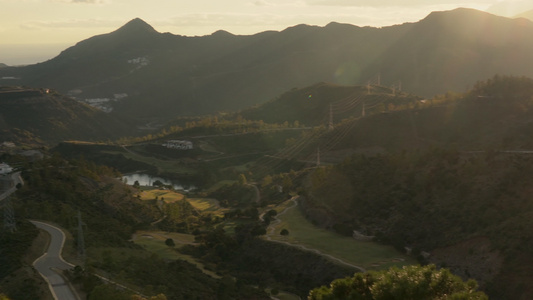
(242, 179)
(410, 282)
(170, 242)
(158, 183)
(284, 232)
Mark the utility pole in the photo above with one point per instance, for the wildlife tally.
(318, 157)
(81, 241)
(10, 223)
(330, 123)
(363, 112)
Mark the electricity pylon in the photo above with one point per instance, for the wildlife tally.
(10, 223)
(81, 241)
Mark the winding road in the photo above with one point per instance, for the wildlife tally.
(50, 264)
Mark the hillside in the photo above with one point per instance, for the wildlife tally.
(450, 51)
(528, 15)
(451, 180)
(164, 75)
(312, 106)
(41, 116)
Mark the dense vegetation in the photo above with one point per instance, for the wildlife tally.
(259, 262)
(43, 117)
(412, 282)
(447, 182)
(56, 189)
(13, 247)
(471, 203)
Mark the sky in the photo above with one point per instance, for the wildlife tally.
(32, 31)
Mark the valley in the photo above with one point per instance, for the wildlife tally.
(260, 175)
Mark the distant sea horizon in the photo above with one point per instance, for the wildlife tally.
(28, 54)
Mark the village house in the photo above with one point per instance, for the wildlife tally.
(178, 144)
(5, 169)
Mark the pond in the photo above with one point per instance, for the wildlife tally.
(148, 180)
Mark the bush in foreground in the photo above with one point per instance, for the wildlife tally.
(410, 282)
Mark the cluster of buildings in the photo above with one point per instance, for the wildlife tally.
(5, 169)
(178, 144)
(104, 104)
(141, 61)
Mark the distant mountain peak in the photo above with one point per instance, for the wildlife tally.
(222, 33)
(458, 12)
(528, 15)
(137, 26)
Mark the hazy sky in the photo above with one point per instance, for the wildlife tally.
(57, 24)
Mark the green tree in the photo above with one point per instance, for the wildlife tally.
(170, 242)
(242, 179)
(410, 282)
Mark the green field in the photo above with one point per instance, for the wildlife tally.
(154, 241)
(220, 184)
(368, 255)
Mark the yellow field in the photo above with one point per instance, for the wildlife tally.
(168, 195)
(207, 205)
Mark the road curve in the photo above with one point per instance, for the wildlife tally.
(51, 262)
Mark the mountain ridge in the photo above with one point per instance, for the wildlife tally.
(166, 75)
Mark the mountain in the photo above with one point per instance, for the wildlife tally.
(509, 8)
(30, 116)
(450, 51)
(528, 15)
(165, 75)
(451, 180)
(3, 65)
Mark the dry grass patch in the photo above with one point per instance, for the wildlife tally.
(168, 195)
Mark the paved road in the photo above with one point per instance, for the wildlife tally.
(51, 262)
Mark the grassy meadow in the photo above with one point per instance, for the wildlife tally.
(154, 241)
(368, 255)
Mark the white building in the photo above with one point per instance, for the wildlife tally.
(5, 169)
(178, 144)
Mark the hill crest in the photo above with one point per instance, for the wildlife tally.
(167, 75)
(136, 25)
